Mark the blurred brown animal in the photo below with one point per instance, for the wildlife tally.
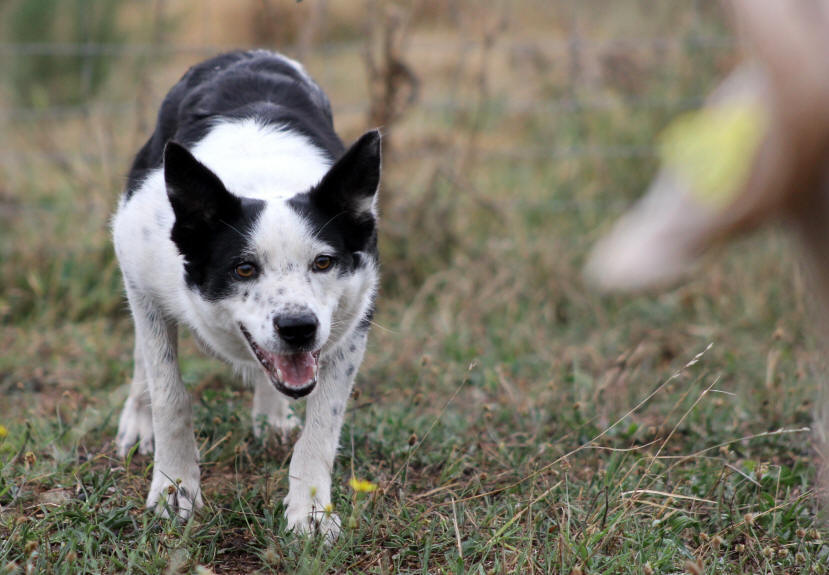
(786, 79)
(785, 84)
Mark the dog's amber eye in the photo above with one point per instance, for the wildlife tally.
(245, 270)
(323, 263)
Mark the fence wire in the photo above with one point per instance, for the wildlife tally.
(558, 50)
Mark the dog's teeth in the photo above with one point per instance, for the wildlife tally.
(279, 374)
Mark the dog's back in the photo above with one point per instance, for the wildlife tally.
(256, 84)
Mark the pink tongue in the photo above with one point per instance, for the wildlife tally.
(297, 370)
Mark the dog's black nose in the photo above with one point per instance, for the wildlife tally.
(297, 329)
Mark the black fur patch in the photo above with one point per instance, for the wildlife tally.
(335, 207)
(212, 225)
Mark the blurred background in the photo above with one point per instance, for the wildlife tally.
(515, 133)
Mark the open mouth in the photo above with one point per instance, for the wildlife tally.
(294, 374)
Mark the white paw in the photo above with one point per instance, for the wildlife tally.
(176, 494)
(282, 424)
(310, 520)
(307, 513)
(135, 426)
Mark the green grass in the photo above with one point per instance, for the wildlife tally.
(514, 421)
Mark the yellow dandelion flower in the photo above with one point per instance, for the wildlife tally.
(361, 485)
(3, 432)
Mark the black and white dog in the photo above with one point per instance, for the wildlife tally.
(246, 220)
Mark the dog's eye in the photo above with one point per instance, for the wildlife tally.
(245, 270)
(322, 263)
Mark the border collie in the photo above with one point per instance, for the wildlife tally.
(246, 220)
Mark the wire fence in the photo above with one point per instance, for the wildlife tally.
(561, 45)
(557, 51)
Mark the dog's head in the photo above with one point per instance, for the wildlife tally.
(287, 277)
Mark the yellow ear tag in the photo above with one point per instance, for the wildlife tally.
(714, 148)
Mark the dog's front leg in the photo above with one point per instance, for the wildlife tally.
(175, 487)
(308, 504)
(136, 422)
(271, 408)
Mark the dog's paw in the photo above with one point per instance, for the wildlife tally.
(135, 426)
(311, 521)
(175, 496)
(282, 425)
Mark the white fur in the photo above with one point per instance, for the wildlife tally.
(273, 165)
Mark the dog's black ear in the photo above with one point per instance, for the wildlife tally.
(351, 185)
(199, 198)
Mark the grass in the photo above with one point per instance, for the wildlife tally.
(513, 420)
